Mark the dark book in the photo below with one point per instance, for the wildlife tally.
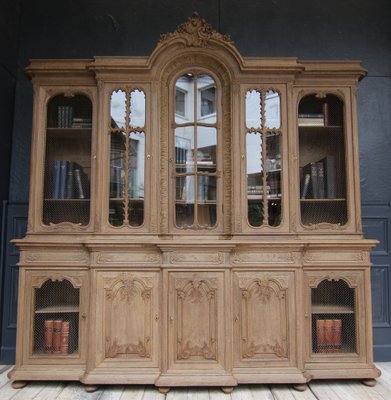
(325, 110)
(62, 179)
(55, 192)
(321, 181)
(79, 183)
(329, 176)
(48, 339)
(69, 192)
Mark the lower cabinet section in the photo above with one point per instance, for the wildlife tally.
(192, 324)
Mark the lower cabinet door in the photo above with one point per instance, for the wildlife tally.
(264, 318)
(196, 330)
(127, 319)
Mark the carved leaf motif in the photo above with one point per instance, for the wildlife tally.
(113, 349)
(206, 351)
(196, 32)
(252, 349)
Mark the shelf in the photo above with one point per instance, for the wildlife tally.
(57, 309)
(321, 200)
(331, 309)
(260, 197)
(198, 203)
(120, 199)
(321, 127)
(67, 200)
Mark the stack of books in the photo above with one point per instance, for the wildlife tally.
(69, 181)
(318, 180)
(82, 123)
(329, 335)
(56, 340)
(64, 116)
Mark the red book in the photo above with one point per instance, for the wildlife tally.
(57, 336)
(329, 333)
(321, 336)
(337, 335)
(48, 339)
(65, 337)
(325, 110)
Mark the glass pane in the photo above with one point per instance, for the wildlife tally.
(184, 99)
(207, 99)
(273, 164)
(136, 165)
(255, 190)
(184, 149)
(67, 172)
(206, 153)
(272, 109)
(137, 109)
(184, 215)
(322, 160)
(118, 109)
(206, 214)
(253, 110)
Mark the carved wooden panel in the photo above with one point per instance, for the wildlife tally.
(257, 297)
(129, 316)
(195, 317)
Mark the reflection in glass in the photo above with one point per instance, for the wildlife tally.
(272, 109)
(195, 151)
(263, 155)
(127, 159)
(137, 109)
(118, 109)
(253, 109)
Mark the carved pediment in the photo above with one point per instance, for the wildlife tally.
(195, 32)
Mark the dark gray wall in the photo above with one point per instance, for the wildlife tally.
(308, 29)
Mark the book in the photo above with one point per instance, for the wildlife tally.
(311, 120)
(81, 183)
(305, 185)
(328, 335)
(313, 190)
(55, 191)
(57, 336)
(48, 338)
(321, 180)
(325, 111)
(69, 191)
(64, 341)
(329, 176)
(62, 179)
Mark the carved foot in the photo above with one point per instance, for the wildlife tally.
(227, 389)
(163, 389)
(369, 382)
(91, 388)
(19, 384)
(300, 387)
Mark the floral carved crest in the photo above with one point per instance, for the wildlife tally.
(196, 32)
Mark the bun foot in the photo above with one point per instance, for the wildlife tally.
(164, 390)
(91, 388)
(227, 389)
(369, 382)
(300, 387)
(19, 384)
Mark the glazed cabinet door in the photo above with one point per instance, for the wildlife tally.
(196, 331)
(336, 316)
(264, 318)
(127, 319)
(55, 317)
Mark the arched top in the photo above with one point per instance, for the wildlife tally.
(196, 36)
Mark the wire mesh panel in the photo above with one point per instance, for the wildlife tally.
(68, 160)
(322, 160)
(333, 318)
(56, 319)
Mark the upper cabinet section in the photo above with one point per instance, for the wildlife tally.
(195, 140)
(322, 158)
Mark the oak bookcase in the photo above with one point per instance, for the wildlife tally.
(195, 216)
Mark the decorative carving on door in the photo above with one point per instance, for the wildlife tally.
(196, 311)
(262, 336)
(128, 315)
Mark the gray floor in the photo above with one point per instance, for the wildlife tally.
(317, 390)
